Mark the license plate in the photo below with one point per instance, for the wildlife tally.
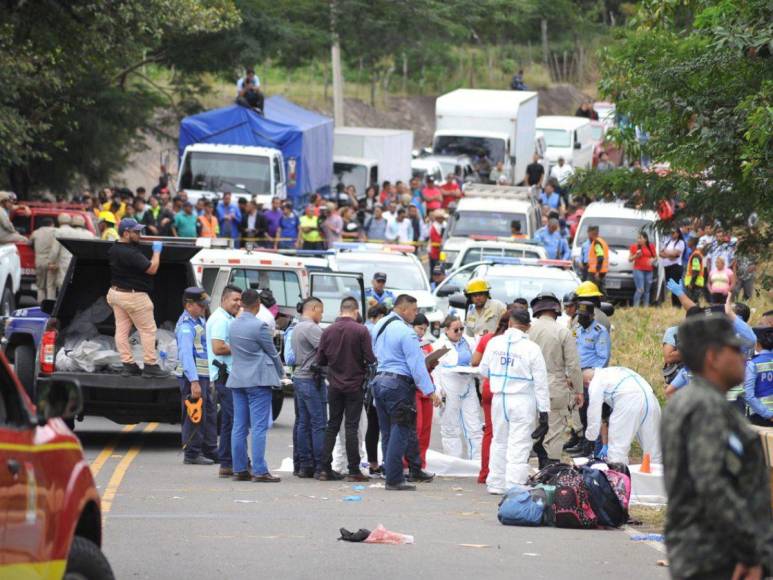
(614, 284)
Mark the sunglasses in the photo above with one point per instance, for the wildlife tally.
(454, 330)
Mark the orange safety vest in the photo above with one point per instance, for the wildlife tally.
(209, 227)
(699, 280)
(593, 260)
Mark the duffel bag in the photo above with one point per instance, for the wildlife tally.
(518, 508)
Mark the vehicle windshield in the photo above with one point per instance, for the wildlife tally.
(400, 275)
(557, 137)
(350, 174)
(508, 288)
(448, 167)
(474, 147)
(597, 132)
(484, 223)
(479, 254)
(222, 172)
(618, 233)
(331, 289)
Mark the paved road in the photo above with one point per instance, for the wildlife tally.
(168, 520)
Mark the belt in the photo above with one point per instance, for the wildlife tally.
(395, 376)
(117, 289)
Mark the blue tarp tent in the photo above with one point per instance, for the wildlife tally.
(305, 138)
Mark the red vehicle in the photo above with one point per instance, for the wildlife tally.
(50, 518)
(27, 222)
(601, 143)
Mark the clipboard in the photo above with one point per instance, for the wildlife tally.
(435, 355)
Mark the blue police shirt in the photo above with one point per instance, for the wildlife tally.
(387, 298)
(554, 243)
(398, 351)
(191, 348)
(552, 201)
(218, 327)
(682, 378)
(585, 252)
(752, 390)
(746, 334)
(593, 346)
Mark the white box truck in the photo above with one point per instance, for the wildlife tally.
(363, 156)
(499, 125)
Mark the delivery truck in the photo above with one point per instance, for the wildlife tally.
(364, 156)
(489, 126)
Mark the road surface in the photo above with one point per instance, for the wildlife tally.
(164, 519)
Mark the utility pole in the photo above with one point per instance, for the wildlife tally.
(338, 79)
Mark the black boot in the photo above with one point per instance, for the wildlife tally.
(154, 372)
(131, 370)
(573, 440)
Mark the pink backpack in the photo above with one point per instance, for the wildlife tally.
(621, 485)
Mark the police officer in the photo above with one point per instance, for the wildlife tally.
(378, 294)
(79, 225)
(59, 258)
(559, 348)
(199, 437)
(718, 518)
(554, 243)
(43, 240)
(483, 312)
(758, 385)
(401, 369)
(589, 292)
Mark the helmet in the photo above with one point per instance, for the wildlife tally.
(477, 286)
(64, 218)
(78, 221)
(545, 301)
(107, 216)
(570, 298)
(588, 290)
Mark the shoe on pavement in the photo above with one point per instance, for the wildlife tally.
(420, 476)
(198, 460)
(154, 372)
(306, 473)
(376, 472)
(400, 487)
(358, 476)
(266, 478)
(213, 456)
(242, 476)
(331, 475)
(131, 370)
(225, 472)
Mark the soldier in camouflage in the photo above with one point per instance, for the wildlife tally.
(718, 519)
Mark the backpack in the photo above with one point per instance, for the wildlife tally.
(606, 504)
(549, 474)
(572, 508)
(519, 508)
(621, 485)
(289, 355)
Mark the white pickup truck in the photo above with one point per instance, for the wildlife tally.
(10, 276)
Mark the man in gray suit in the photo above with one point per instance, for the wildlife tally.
(256, 368)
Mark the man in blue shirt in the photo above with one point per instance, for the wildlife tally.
(549, 197)
(200, 437)
(378, 294)
(401, 370)
(593, 343)
(554, 243)
(219, 359)
(229, 217)
(289, 225)
(758, 384)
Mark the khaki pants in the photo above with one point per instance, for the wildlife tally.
(557, 424)
(133, 308)
(45, 280)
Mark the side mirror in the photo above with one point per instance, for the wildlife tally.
(447, 290)
(607, 308)
(47, 306)
(577, 145)
(458, 300)
(58, 398)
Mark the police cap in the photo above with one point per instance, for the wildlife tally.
(380, 277)
(194, 294)
(585, 307)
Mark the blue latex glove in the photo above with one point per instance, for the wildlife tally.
(157, 246)
(604, 451)
(675, 287)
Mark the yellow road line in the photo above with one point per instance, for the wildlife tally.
(104, 455)
(120, 472)
(39, 448)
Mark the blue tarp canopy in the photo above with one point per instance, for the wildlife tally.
(305, 138)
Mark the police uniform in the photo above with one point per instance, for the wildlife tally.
(198, 438)
(43, 240)
(718, 485)
(387, 298)
(758, 384)
(479, 322)
(593, 346)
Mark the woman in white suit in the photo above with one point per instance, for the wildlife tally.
(461, 428)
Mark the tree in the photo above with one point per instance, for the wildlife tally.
(697, 76)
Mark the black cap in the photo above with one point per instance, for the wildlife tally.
(520, 315)
(379, 277)
(585, 307)
(709, 329)
(194, 294)
(438, 269)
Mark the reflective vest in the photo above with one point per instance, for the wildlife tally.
(763, 385)
(691, 267)
(593, 258)
(209, 226)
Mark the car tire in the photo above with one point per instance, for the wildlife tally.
(24, 365)
(86, 561)
(277, 400)
(7, 303)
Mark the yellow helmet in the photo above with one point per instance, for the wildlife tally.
(107, 216)
(477, 286)
(588, 290)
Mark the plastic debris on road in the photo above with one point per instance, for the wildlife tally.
(353, 498)
(648, 538)
(383, 536)
(376, 486)
(245, 501)
(474, 545)
(358, 487)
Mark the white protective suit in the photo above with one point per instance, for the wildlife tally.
(635, 412)
(519, 387)
(461, 427)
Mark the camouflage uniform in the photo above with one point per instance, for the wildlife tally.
(479, 322)
(718, 486)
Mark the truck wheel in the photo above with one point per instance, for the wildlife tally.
(277, 400)
(7, 303)
(86, 561)
(24, 364)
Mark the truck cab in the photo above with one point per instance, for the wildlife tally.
(567, 137)
(208, 170)
(356, 171)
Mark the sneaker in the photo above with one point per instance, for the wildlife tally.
(266, 478)
(331, 475)
(198, 460)
(420, 476)
(242, 476)
(225, 472)
(131, 370)
(376, 472)
(400, 487)
(213, 456)
(154, 372)
(357, 476)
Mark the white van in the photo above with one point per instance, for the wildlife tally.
(567, 137)
(620, 227)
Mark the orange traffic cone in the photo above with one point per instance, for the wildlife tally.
(645, 464)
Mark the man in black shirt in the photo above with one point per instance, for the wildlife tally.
(535, 172)
(131, 281)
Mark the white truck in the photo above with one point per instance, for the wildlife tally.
(567, 137)
(364, 156)
(208, 170)
(10, 277)
(497, 125)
